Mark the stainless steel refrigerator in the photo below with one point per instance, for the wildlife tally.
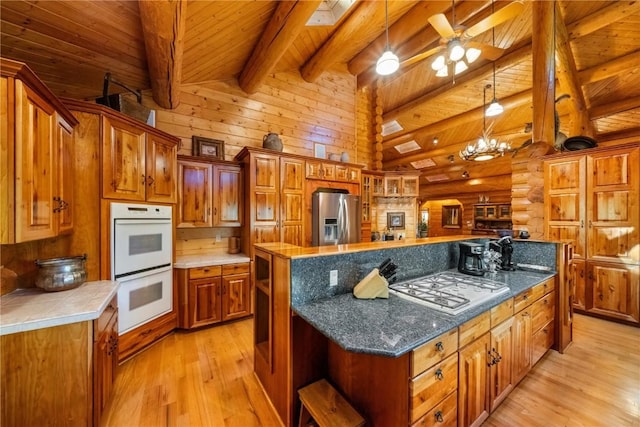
(336, 218)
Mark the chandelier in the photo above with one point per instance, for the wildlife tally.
(455, 59)
(486, 148)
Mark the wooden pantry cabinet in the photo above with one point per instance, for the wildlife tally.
(274, 194)
(593, 199)
(213, 294)
(37, 159)
(209, 193)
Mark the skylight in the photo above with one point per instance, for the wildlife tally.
(425, 163)
(405, 147)
(329, 12)
(391, 127)
(439, 177)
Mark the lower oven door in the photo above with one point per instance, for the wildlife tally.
(144, 298)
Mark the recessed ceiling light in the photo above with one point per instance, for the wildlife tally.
(391, 127)
(405, 147)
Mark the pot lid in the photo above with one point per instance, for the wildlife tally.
(579, 143)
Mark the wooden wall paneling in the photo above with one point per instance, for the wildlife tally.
(365, 128)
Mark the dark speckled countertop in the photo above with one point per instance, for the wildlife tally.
(394, 326)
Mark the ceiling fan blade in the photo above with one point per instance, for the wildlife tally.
(488, 52)
(440, 23)
(508, 12)
(421, 56)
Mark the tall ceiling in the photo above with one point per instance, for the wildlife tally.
(70, 45)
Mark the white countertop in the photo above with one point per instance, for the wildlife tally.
(203, 260)
(30, 309)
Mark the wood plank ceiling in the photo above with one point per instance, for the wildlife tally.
(71, 44)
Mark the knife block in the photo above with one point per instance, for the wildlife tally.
(372, 286)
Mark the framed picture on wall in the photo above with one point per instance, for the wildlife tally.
(395, 220)
(207, 147)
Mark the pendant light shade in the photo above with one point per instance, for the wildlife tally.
(388, 62)
(494, 108)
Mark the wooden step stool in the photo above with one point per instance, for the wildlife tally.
(327, 407)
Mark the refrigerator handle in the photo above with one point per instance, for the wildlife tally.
(344, 238)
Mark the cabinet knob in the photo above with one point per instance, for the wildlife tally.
(143, 179)
(438, 417)
(150, 180)
(439, 346)
(439, 374)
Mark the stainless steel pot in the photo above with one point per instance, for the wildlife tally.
(60, 274)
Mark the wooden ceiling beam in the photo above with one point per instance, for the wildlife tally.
(163, 26)
(473, 185)
(513, 55)
(620, 136)
(543, 73)
(602, 18)
(567, 75)
(610, 68)
(509, 102)
(614, 108)
(287, 22)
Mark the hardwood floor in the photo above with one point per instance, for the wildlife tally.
(205, 378)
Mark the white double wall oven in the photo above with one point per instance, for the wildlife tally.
(142, 261)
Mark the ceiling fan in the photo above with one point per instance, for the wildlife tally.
(456, 45)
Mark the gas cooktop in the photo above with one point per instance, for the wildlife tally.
(449, 292)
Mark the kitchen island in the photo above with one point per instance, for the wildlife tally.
(370, 349)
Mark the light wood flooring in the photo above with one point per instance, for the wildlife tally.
(205, 378)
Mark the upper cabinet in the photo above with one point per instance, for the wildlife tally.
(210, 194)
(401, 185)
(329, 170)
(36, 160)
(137, 164)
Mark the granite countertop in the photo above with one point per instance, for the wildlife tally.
(394, 326)
(30, 309)
(203, 260)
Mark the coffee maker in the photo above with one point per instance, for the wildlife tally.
(470, 260)
(504, 246)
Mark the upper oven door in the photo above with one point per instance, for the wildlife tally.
(141, 245)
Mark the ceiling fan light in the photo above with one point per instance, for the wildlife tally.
(456, 51)
(387, 64)
(443, 72)
(438, 63)
(460, 67)
(472, 54)
(494, 108)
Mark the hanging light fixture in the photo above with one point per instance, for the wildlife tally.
(388, 62)
(456, 58)
(486, 148)
(494, 108)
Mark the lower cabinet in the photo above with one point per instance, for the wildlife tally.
(473, 369)
(105, 358)
(214, 294)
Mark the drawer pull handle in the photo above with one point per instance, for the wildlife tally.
(438, 417)
(439, 374)
(439, 346)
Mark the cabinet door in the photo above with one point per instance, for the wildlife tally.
(63, 199)
(161, 168)
(473, 402)
(579, 280)
(123, 160)
(613, 213)
(500, 383)
(204, 302)
(392, 185)
(522, 343)
(194, 189)
(105, 353)
(35, 166)
(410, 186)
(227, 211)
(265, 199)
(614, 290)
(236, 296)
(292, 201)
(564, 202)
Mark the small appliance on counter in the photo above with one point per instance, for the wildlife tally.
(470, 260)
(504, 246)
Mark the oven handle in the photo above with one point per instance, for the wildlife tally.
(119, 221)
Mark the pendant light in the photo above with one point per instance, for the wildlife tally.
(388, 62)
(494, 108)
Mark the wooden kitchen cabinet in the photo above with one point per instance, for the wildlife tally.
(105, 358)
(401, 185)
(328, 170)
(274, 195)
(209, 193)
(500, 361)
(592, 199)
(136, 163)
(214, 294)
(372, 186)
(37, 161)
(473, 374)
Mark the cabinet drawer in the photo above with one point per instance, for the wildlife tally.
(543, 311)
(501, 312)
(204, 272)
(444, 414)
(542, 341)
(433, 351)
(100, 324)
(473, 329)
(523, 300)
(235, 268)
(430, 387)
(543, 288)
